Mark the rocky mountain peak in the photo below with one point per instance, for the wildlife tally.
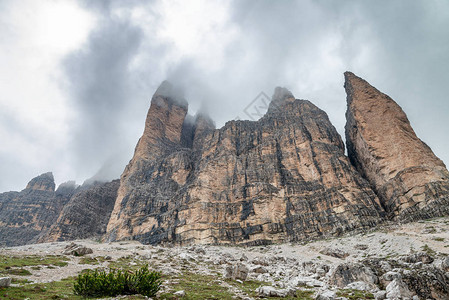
(411, 182)
(164, 122)
(66, 188)
(43, 182)
(281, 93)
(281, 97)
(171, 93)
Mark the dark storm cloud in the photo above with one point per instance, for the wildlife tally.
(100, 85)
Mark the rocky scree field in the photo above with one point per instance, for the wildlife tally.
(394, 262)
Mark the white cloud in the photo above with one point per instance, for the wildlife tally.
(35, 35)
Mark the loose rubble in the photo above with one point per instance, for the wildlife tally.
(398, 263)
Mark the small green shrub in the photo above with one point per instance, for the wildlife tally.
(100, 283)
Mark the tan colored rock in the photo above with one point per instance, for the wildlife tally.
(282, 178)
(162, 135)
(85, 215)
(24, 215)
(43, 182)
(409, 179)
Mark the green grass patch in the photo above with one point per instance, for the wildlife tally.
(438, 239)
(89, 261)
(92, 260)
(249, 286)
(354, 294)
(19, 280)
(304, 295)
(52, 290)
(31, 260)
(17, 272)
(428, 250)
(126, 263)
(198, 287)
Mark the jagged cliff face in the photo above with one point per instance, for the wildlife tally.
(410, 180)
(85, 215)
(282, 178)
(41, 214)
(23, 215)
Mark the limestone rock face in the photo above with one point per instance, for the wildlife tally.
(43, 182)
(282, 178)
(23, 215)
(86, 214)
(40, 214)
(411, 182)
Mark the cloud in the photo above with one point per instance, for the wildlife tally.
(224, 53)
(100, 85)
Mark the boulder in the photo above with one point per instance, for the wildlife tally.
(76, 250)
(269, 291)
(238, 271)
(179, 294)
(334, 253)
(418, 258)
(445, 264)
(361, 286)
(326, 295)
(260, 270)
(398, 290)
(380, 295)
(345, 274)
(5, 281)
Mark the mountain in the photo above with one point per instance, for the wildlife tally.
(282, 178)
(85, 215)
(23, 215)
(410, 181)
(40, 213)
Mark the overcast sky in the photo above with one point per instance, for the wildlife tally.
(76, 77)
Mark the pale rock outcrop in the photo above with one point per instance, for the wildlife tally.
(411, 182)
(346, 274)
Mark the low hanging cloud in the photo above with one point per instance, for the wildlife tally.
(99, 84)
